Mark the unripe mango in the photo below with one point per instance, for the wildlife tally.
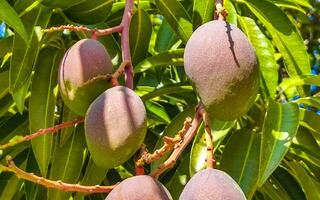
(212, 184)
(139, 188)
(82, 74)
(222, 64)
(115, 126)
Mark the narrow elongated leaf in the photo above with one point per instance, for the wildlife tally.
(265, 53)
(180, 177)
(279, 128)
(94, 175)
(177, 17)
(171, 130)
(310, 120)
(285, 35)
(9, 15)
(312, 101)
(139, 36)
(24, 55)
(90, 11)
(241, 159)
(19, 96)
(67, 116)
(61, 3)
(156, 109)
(42, 104)
(299, 81)
(166, 37)
(232, 12)
(203, 11)
(171, 57)
(169, 89)
(308, 184)
(6, 46)
(67, 162)
(288, 4)
(4, 83)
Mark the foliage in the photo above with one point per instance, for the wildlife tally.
(273, 152)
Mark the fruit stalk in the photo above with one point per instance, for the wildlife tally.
(221, 12)
(126, 56)
(209, 157)
(67, 187)
(169, 163)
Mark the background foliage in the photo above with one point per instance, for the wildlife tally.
(273, 152)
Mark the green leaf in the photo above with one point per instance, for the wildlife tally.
(310, 120)
(139, 35)
(265, 53)
(241, 159)
(67, 116)
(166, 37)
(67, 162)
(9, 15)
(20, 95)
(288, 4)
(309, 185)
(61, 3)
(279, 128)
(180, 178)
(94, 175)
(6, 45)
(168, 89)
(219, 130)
(312, 101)
(177, 16)
(158, 110)
(90, 11)
(232, 12)
(299, 81)
(4, 83)
(285, 35)
(203, 11)
(171, 57)
(42, 104)
(171, 130)
(24, 55)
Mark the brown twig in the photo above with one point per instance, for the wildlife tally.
(169, 144)
(221, 12)
(11, 167)
(53, 129)
(169, 163)
(209, 158)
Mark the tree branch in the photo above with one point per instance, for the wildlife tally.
(169, 144)
(11, 167)
(209, 157)
(19, 139)
(169, 163)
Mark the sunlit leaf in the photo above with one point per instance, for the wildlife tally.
(279, 129)
(140, 33)
(42, 104)
(171, 57)
(241, 159)
(9, 15)
(177, 17)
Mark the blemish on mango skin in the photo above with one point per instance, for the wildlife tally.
(221, 63)
(81, 74)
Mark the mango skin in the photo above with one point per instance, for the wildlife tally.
(212, 184)
(139, 188)
(222, 64)
(82, 74)
(115, 126)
